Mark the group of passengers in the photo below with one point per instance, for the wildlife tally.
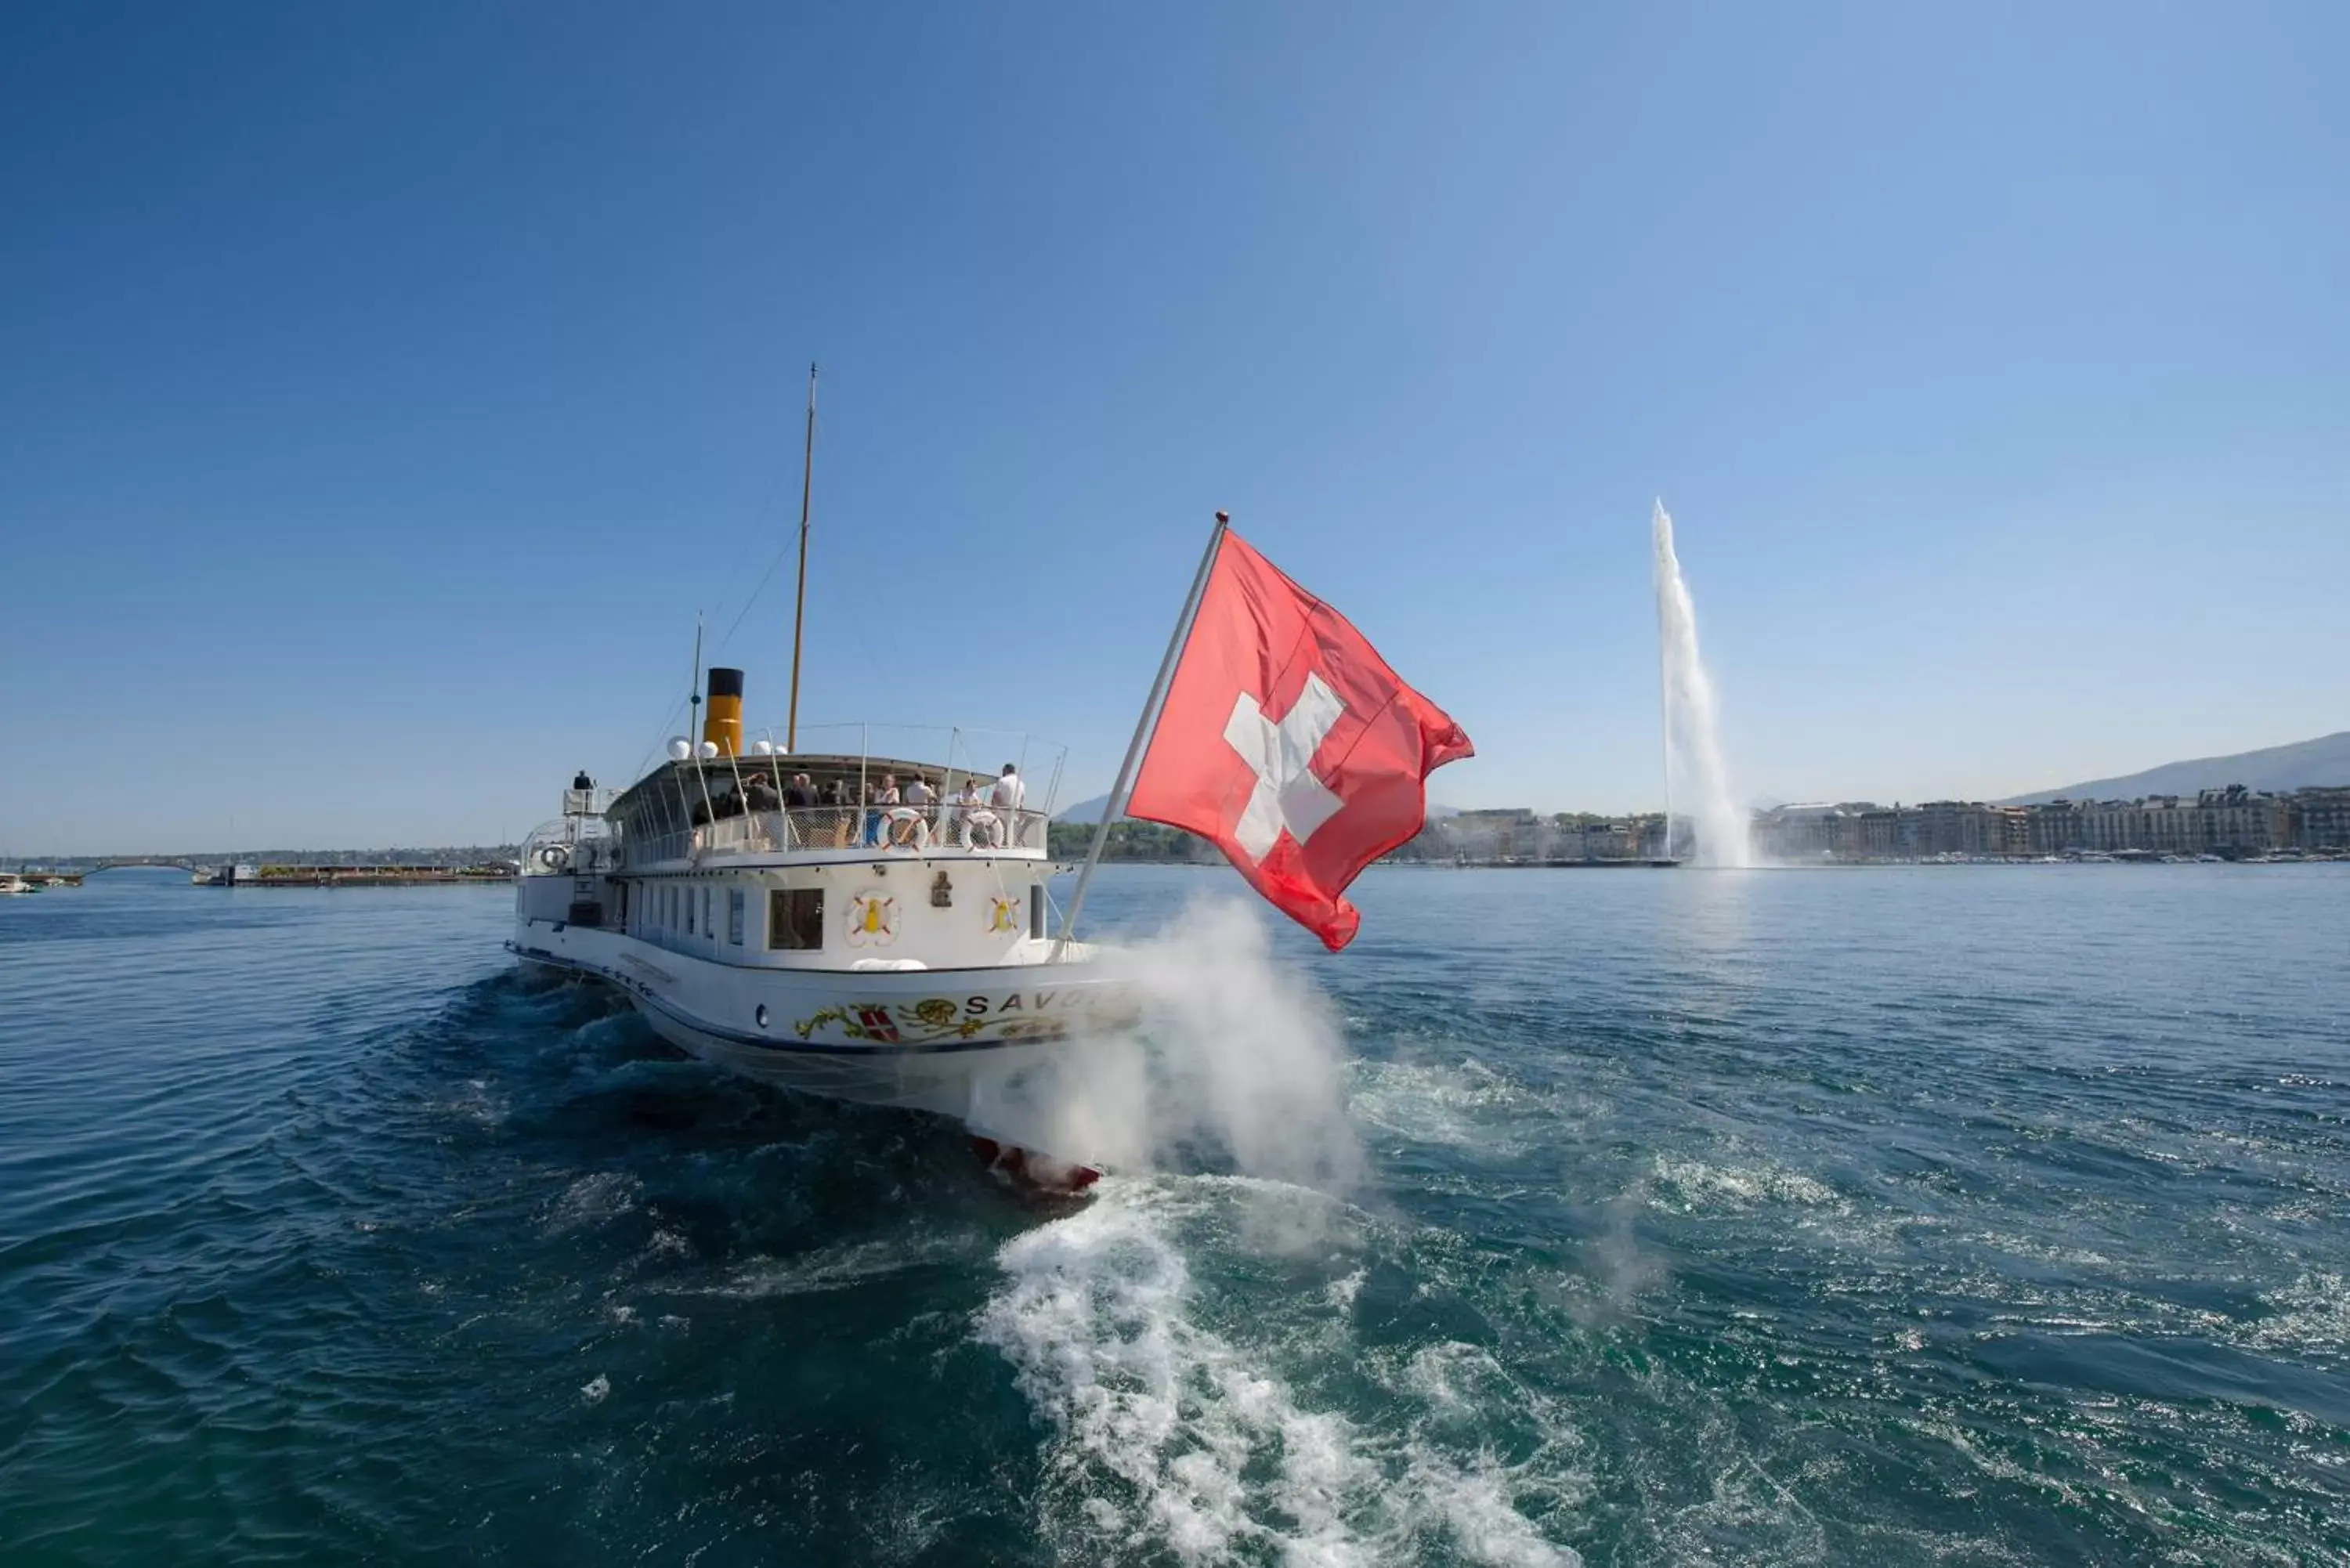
(841, 812)
(976, 818)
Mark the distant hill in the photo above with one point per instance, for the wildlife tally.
(1087, 811)
(2324, 761)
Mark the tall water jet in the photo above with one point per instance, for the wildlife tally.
(1694, 769)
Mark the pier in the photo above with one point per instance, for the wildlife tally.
(325, 875)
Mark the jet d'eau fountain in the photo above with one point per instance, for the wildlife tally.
(1695, 774)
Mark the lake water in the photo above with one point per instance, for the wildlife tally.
(1962, 1215)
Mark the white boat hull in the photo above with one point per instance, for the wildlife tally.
(975, 1044)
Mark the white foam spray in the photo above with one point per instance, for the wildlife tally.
(1233, 1062)
(1695, 770)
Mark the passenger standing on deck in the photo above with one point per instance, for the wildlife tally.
(969, 806)
(799, 795)
(836, 797)
(909, 823)
(1006, 798)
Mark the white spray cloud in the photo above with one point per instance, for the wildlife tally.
(1234, 1062)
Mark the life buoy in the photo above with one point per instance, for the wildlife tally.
(981, 824)
(554, 856)
(906, 827)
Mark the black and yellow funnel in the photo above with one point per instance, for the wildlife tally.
(722, 718)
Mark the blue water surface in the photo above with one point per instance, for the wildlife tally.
(1959, 1215)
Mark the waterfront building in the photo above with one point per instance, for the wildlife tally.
(1804, 832)
(2236, 820)
(2230, 821)
(1972, 828)
(1937, 827)
(1501, 832)
(1876, 827)
(2321, 817)
(2053, 828)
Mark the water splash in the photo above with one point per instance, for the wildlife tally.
(1236, 1062)
(1695, 772)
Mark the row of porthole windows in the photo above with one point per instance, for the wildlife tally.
(669, 910)
(664, 911)
(795, 915)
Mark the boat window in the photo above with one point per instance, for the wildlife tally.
(796, 918)
(734, 915)
(707, 928)
(1036, 910)
(689, 911)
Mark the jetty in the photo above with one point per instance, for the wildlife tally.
(335, 875)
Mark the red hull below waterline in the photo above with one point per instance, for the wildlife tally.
(1032, 1173)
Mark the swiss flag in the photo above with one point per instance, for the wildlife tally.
(1287, 740)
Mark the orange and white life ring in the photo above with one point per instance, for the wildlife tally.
(908, 827)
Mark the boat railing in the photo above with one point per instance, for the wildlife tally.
(939, 828)
(569, 846)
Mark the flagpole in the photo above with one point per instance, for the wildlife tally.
(1115, 803)
(799, 605)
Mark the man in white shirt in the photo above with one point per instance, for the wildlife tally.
(1009, 791)
(1006, 798)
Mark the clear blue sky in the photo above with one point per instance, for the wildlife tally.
(384, 389)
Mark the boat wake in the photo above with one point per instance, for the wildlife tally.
(1179, 1426)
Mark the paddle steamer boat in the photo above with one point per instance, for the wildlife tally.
(892, 954)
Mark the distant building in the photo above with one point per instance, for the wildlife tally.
(2054, 828)
(2230, 821)
(1877, 828)
(1501, 832)
(2236, 820)
(1970, 827)
(1792, 832)
(2322, 819)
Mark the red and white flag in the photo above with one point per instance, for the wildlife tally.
(1288, 741)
